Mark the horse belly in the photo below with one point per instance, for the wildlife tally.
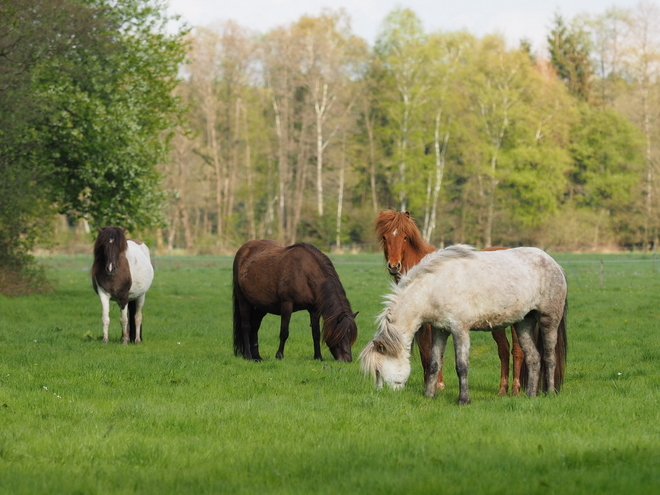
(142, 272)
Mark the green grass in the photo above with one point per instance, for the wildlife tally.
(181, 414)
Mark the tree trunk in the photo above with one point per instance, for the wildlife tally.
(340, 193)
(372, 158)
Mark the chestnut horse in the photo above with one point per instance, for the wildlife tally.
(271, 278)
(404, 247)
(121, 272)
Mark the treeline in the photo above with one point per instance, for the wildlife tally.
(305, 132)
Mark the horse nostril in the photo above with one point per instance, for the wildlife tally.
(394, 268)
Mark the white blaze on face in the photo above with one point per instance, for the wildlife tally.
(396, 231)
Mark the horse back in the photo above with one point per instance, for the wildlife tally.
(268, 274)
(488, 290)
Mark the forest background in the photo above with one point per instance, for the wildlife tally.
(204, 138)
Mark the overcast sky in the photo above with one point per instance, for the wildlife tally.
(515, 19)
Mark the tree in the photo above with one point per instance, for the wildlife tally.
(94, 96)
(570, 56)
(401, 48)
(607, 159)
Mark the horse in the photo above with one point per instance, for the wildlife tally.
(121, 272)
(404, 247)
(271, 278)
(457, 290)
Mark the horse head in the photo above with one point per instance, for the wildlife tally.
(402, 241)
(340, 333)
(110, 244)
(385, 364)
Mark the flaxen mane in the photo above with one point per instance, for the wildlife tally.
(431, 261)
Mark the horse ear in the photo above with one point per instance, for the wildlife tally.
(355, 314)
(99, 229)
(407, 214)
(379, 347)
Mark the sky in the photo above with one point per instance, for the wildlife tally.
(514, 19)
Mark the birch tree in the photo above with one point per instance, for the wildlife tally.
(401, 48)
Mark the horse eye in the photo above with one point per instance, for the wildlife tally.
(405, 238)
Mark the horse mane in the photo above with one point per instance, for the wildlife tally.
(111, 242)
(390, 220)
(432, 260)
(336, 311)
(387, 341)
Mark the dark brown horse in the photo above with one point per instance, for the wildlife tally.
(271, 278)
(404, 247)
(121, 272)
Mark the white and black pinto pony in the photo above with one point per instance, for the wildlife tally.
(121, 272)
(457, 290)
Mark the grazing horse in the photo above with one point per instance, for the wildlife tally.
(121, 272)
(404, 247)
(271, 278)
(457, 290)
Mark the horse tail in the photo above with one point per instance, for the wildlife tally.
(561, 350)
(132, 330)
(239, 345)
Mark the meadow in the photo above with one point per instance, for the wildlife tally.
(181, 414)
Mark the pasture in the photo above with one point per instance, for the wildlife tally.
(181, 414)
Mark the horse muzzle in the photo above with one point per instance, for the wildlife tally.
(110, 269)
(395, 270)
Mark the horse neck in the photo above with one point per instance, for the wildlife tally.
(406, 314)
(412, 256)
(331, 298)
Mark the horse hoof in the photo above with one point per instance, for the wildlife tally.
(502, 392)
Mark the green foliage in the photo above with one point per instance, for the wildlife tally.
(87, 113)
(570, 52)
(181, 414)
(607, 153)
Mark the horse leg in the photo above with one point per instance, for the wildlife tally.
(105, 312)
(285, 311)
(124, 323)
(424, 338)
(435, 362)
(139, 304)
(462, 351)
(548, 328)
(518, 357)
(252, 334)
(503, 352)
(314, 321)
(524, 330)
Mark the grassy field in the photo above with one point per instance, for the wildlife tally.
(181, 414)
